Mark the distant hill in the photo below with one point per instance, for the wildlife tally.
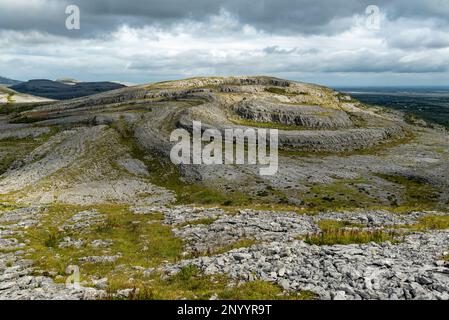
(63, 91)
(8, 82)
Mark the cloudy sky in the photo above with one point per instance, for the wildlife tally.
(331, 42)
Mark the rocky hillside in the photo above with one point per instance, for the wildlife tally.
(357, 210)
(60, 90)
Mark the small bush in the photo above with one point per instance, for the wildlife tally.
(52, 240)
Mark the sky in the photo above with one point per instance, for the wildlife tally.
(329, 42)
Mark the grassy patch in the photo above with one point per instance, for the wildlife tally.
(279, 91)
(342, 236)
(140, 240)
(341, 194)
(417, 191)
(331, 225)
(270, 125)
(6, 162)
(429, 223)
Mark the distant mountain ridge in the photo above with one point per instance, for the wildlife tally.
(63, 91)
(8, 82)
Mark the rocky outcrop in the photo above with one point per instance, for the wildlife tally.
(307, 116)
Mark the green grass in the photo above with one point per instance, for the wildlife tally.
(269, 125)
(340, 195)
(280, 91)
(140, 239)
(345, 237)
(331, 225)
(417, 192)
(6, 161)
(429, 223)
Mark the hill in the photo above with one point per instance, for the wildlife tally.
(358, 208)
(8, 82)
(62, 91)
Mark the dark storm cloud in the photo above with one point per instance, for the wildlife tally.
(273, 16)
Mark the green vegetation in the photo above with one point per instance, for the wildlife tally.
(10, 99)
(338, 232)
(342, 194)
(331, 225)
(269, 125)
(6, 161)
(280, 91)
(429, 223)
(417, 192)
(139, 240)
(345, 236)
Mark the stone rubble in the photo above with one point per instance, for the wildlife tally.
(413, 269)
(247, 224)
(177, 215)
(83, 220)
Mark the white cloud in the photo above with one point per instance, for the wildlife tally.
(222, 45)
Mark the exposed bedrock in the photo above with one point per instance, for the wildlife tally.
(341, 140)
(307, 116)
(338, 141)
